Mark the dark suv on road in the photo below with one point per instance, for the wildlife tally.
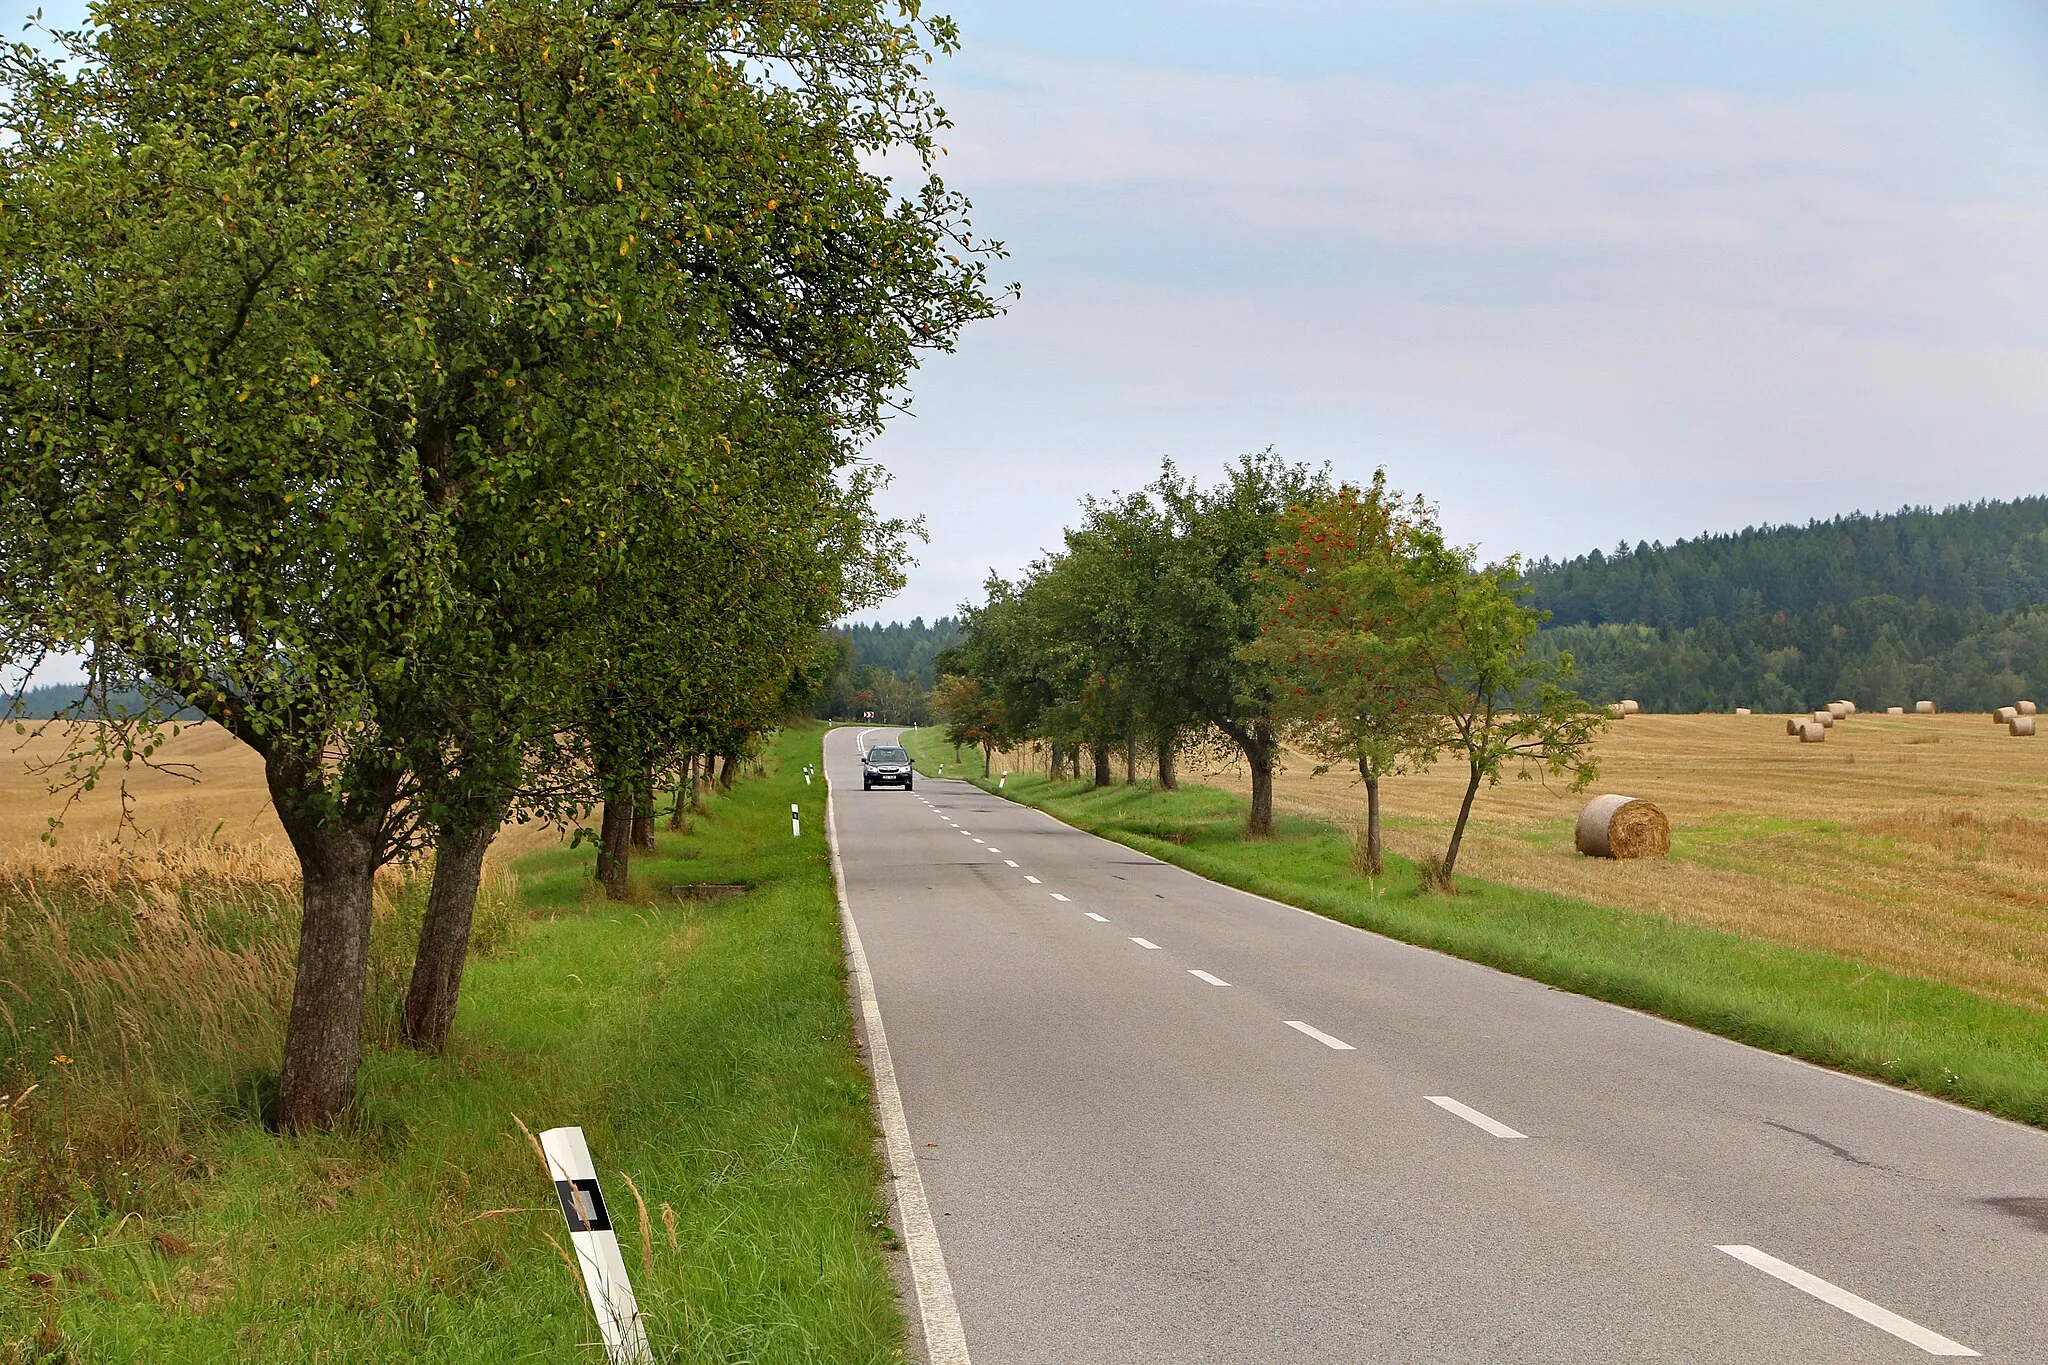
(886, 766)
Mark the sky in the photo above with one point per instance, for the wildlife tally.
(1578, 273)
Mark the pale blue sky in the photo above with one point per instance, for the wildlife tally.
(1578, 272)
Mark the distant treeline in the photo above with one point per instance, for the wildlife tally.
(1876, 652)
(1991, 556)
(69, 700)
(1884, 611)
(905, 650)
(885, 669)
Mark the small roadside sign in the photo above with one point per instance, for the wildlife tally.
(597, 1247)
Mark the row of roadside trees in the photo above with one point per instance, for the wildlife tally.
(1274, 609)
(459, 403)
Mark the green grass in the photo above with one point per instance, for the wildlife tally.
(707, 1051)
(934, 757)
(1930, 1037)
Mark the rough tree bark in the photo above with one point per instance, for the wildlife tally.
(1458, 830)
(988, 756)
(1131, 755)
(675, 817)
(615, 846)
(1260, 750)
(728, 770)
(339, 853)
(1374, 864)
(1100, 753)
(643, 811)
(436, 984)
(1168, 740)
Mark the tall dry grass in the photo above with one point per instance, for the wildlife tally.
(143, 993)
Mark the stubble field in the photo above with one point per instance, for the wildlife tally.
(1918, 844)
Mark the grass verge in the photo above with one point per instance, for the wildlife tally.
(706, 1049)
(1923, 1035)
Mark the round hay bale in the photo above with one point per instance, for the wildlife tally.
(2003, 715)
(2025, 708)
(1742, 710)
(1895, 710)
(2020, 725)
(1623, 827)
(1629, 708)
(1850, 704)
(1824, 719)
(1812, 733)
(1923, 708)
(1838, 709)
(1792, 724)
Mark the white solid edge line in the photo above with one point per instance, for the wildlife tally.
(1099, 919)
(1057, 896)
(945, 1341)
(1336, 1044)
(1473, 1116)
(1905, 1329)
(1205, 976)
(1144, 942)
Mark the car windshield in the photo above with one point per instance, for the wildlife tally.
(887, 756)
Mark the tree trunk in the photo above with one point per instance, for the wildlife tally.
(444, 934)
(988, 756)
(1260, 823)
(1168, 740)
(338, 855)
(643, 811)
(728, 770)
(1375, 866)
(696, 782)
(1100, 753)
(1131, 755)
(1458, 830)
(615, 847)
(1258, 747)
(675, 817)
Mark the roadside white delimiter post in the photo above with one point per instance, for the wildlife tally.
(597, 1246)
(796, 828)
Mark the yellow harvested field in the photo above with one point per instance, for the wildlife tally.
(214, 796)
(1915, 843)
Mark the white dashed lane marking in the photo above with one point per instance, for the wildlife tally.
(1144, 942)
(1336, 1044)
(1473, 1116)
(1205, 976)
(1905, 1329)
(1057, 896)
(1033, 880)
(1099, 919)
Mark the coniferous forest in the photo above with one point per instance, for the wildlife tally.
(1951, 606)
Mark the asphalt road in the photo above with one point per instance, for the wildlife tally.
(1128, 1160)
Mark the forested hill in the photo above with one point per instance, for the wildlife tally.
(905, 650)
(1987, 555)
(1948, 606)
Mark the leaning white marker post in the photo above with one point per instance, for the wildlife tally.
(597, 1246)
(796, 824)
